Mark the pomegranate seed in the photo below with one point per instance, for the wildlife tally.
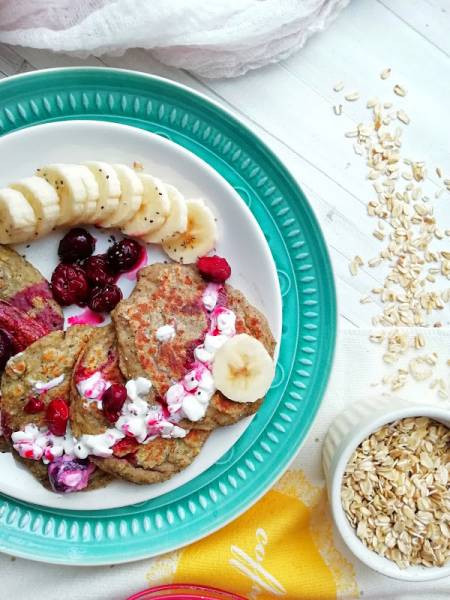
(76, 245)
(34, 406)
(57, 416)
(124, 255)
(112, 401)
(97, 270)
(104, 299)
(214, 268)
(69, 285)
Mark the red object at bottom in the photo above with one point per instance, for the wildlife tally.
(181, 591)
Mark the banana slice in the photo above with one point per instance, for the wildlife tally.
(176, 221)
(130, 199)
(71, 190)
(243, 370)
(93, 193)
(17, 218)
(109, 190)
(43, 200)
(199, 237)
(154, 208)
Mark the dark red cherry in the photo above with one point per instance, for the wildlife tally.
(124, 255)
(77, 244)
(69, 285)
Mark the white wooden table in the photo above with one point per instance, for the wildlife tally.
(290, 106)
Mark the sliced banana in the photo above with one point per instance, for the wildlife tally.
(43, 200)
(71, 190)
(243, 370)
(176, 221)
(109, 190)
(154, 209)
(199, 237)
(93, 193)
(17, 218)
(130, 199)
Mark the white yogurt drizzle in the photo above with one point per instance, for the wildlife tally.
(40, 387)
(137, 420)
(92, 388)
(191, 396)
(165, 333)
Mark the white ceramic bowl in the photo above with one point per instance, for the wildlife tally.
(348, 430)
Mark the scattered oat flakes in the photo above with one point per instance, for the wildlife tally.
(137, 166)
(337, 108)
(338, 86)
(403, 117)
(399, 90)
(385, 73)
(352, 97)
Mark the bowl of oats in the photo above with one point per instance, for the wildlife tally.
(387, 466)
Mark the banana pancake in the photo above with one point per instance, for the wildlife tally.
(35, 409)
(164, 321)
(100, 412)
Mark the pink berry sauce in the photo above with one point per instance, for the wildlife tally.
(87, 317)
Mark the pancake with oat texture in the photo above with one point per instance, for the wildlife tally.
(172, 293)
(48, 361)
(27, 308)
(151, 462)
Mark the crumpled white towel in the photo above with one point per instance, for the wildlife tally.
(216, 38)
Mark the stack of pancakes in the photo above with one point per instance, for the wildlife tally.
(124, 350)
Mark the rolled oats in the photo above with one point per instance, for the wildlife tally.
(395, 492)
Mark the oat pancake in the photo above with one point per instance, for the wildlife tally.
(151, 462)
(25, 300)
(50, 357)
(167, 293)
(27, 308)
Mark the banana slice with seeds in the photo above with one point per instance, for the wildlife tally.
(109, 190)
(17, 218)
(198, 238)
(93, 193)
(71, 190)
(243, 370)
(130, 200)
(154, 209)
(176, 221)
(43, 199)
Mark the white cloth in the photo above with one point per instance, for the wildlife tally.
(357, 366)
(213, 38)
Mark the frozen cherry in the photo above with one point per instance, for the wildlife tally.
(57, 415)
(214, 268)
(34, 406)
(76, 245)
(125, 447)
(97, 270)
(6, 349)
(112, 401)
(69, 285)
(104, 298)
(124, 255)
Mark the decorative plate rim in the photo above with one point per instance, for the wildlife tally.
(325, 291)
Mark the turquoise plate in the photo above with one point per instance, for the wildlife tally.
(271, 441)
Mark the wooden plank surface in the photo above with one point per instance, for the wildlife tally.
(290, 106)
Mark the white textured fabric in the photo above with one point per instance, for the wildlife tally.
(213, 38)
(351, 380)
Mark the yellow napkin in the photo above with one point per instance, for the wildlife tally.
(282, 546)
